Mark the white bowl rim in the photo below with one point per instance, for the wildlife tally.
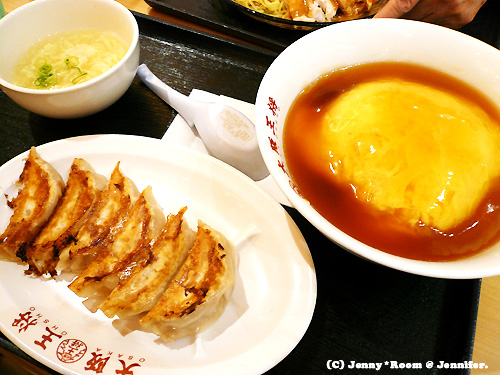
(83, 85)
(418, 267)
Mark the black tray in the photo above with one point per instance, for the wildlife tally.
(365, 312)
(216, 14)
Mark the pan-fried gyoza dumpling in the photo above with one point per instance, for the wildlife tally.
(41, 186)
(200, 291)
(81, 191)
(101, 223)
(144, 287)
(118, 259)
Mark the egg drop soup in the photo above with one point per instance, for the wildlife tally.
(403, 158)
(69, 58)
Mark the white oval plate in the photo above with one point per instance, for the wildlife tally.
(269, 311)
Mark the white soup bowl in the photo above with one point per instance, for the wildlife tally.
(40, 19)
(364, 41)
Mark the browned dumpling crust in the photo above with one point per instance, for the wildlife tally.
(82, 190)
(104, 219)
(41, 186)
(147, 283)
(200, 291)
(117, 259)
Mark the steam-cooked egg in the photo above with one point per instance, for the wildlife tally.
(401, 157)
(415, 150)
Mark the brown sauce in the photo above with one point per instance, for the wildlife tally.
(337, 202)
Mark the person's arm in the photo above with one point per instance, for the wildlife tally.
(450, 13)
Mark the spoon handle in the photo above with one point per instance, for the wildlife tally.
(185, 106)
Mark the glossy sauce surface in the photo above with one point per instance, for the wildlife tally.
(335, 196)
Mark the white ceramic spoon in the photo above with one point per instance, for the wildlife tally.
(227, 133)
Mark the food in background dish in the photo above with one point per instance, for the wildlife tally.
(275, 8)
(401, 157)
(67, 59)
(128, 259)
(309, 10)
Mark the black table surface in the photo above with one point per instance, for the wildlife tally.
(364, 312)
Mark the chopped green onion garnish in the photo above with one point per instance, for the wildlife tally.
(79, 78)
(45, 80)
(45, 69)
(72, 62)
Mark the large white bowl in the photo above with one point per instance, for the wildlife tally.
(363, 41)
(39, 19)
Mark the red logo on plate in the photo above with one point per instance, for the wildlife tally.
(71, 350)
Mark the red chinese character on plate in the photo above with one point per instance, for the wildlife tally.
(96, 363)
(46, 338)
(126, 370)
(25, 320)
(71, 350)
